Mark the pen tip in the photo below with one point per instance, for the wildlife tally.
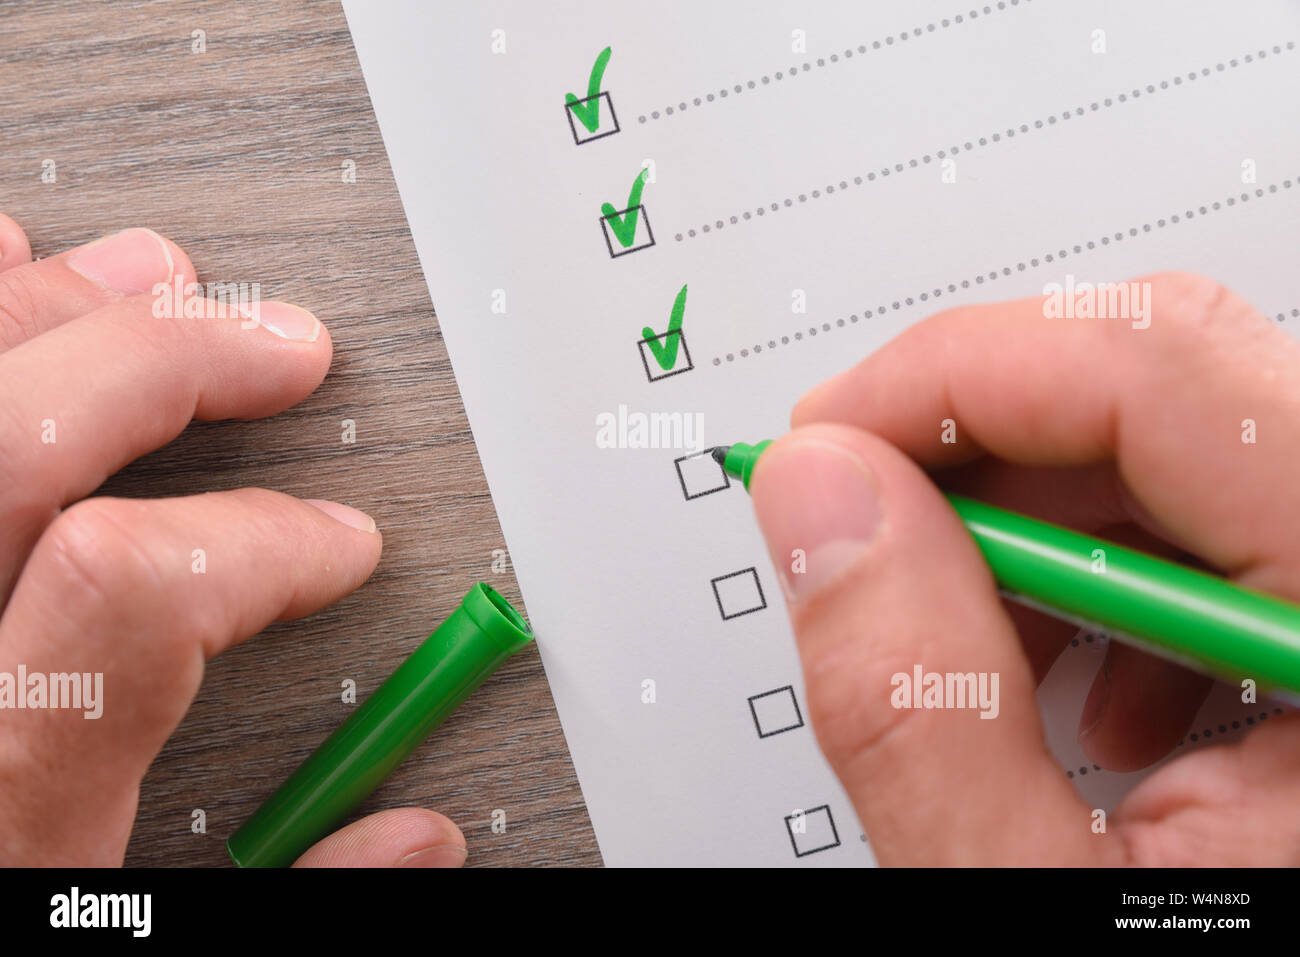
(720, 454)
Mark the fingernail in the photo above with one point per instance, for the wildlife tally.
(129, 262)
(819, 511)
(352, 517)
(1094, 708)
(444, 855)
(286, 321)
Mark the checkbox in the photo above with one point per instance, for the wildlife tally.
(699, 474)
(775, 711)
(581, 135)
(644, 237)
(653, 371)
(812, 831)
(738, 593)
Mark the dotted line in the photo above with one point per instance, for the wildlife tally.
(1225, 728)
(1249, 720)
(983, 141)
(994, 274)
(1294, 314)
(766, 79)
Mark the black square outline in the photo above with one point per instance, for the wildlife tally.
(681, 340)
(604, 229)
(793, 700)
(825, 847)
(757, 584)
(726, 479)
(568, 111)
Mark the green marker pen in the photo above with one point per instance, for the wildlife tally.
(1196, 619)
(478, 636)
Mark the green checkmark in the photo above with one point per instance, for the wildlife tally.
(624, 227)
(588, 113)
(665, 347)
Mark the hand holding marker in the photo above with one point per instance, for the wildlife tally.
(1193, 618)
(1176, 440)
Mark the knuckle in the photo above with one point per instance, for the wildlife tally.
(269, 511)
(103, 567)
(1188, 297)
(93, 560)
(21, 293)
(263, 501)
(1203, 328)
(1198, 304)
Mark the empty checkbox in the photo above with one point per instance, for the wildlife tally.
(604, 103)
(700, 474)
(775, 711)
(812, 831)
(738, 593)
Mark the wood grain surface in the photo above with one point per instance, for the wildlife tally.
(236, 154)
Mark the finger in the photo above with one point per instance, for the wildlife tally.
(127, 383)
(1138, 709)
(37, 296)
(402, 837)
(141, 593)
(1169, 403)
(894, 583)
(1227, 805)
(14, 249)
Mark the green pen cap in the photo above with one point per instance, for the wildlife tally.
(459, 656)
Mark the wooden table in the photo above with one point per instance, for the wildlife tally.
(237, 154)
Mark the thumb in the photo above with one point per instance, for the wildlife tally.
(891, 582)
(402, 837)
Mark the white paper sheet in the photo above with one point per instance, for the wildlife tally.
(781, 179)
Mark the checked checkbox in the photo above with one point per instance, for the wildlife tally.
(652, 347)
(621, 227)
(597, 105)
(667, 349)
(587, 115)
(738, 593)
(622, 237)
